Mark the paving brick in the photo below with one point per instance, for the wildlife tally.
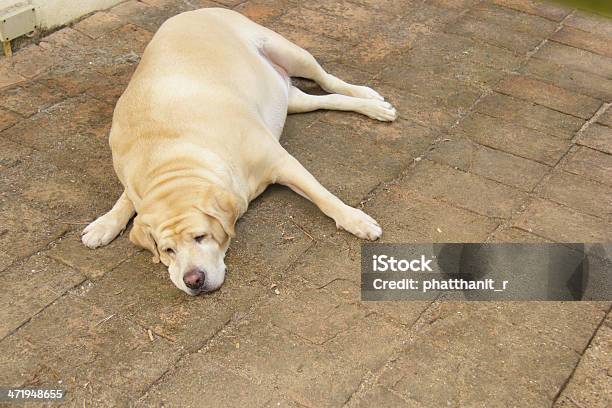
(24, 230)
(590, 164)
(33, 60)
(63, 196)
(12, 154)
(82, 342)
(574, 191)
(212, 382)
(310, 313)
(489, 31)
(29, 287)
(562, 224)
(70, 80)
(530, 115)
(29, 98)
(307, 373)
(448, 92)
(470, 365)
(464, 190)
(515, 235)
(341, 20)
(512, 138)
(597, 137)
(582, 39)
(7, 118)
(575, 58)
(8, 76)
(91, 263)
(98, 24)
(548, 10)
(427, 112)
(499, 166)
(507, 18)
(440, 49)
(606, 118)
(548, 95)
(266, 12)
(590, 22)
(383, 397)
(591, 383)
(349, 137)
(411, 217)
(569, 78)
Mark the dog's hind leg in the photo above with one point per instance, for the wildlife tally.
(104, 229)
(300, 63)
(374, 108)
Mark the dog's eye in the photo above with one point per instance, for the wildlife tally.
(169, 251)
(200, 238)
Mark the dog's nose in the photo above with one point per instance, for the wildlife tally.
(194, 279)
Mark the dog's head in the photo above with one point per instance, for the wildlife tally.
(190, 235)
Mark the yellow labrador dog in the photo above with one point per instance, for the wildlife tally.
(195, 138)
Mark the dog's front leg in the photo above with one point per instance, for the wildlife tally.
(291, 173)
(104, 229)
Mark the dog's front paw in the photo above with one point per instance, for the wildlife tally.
(359, 224)
(99, 233)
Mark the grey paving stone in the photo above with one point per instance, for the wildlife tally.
(29, 287)
(550, 96)
(505, 168)
(512, 138)
(590, 164)
(575, 58)
(570, 78)
(464, 190)
(530, 115)
(562, 224)
(574, 191)
(597, 137)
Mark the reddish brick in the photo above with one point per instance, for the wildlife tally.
(489, 32)
(562, 224)
(590, 22)
(585, 40)
(99, 24)
(8, 76)
(33, 60)
(589, 163)
(575, 58)
(7, 118)
(11, 154)
(569, 78)
(513, 138)
(539, 8)
(530, 115)
(71, 80)
(464, 190)
(508, 19)
(265, 12)
(505, 168)
(549, 95)
(515, 235)
(597, 137)
(574, 191)
(29, 98)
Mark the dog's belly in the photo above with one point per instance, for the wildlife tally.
(273, 109)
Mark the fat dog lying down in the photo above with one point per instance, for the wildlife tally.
(195, 138)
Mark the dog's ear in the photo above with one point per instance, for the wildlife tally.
(141, 236)
(223, 206)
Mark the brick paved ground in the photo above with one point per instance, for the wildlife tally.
(504, 135)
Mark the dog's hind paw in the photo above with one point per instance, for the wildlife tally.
(379, 110)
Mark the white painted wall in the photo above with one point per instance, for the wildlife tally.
(53, 13)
